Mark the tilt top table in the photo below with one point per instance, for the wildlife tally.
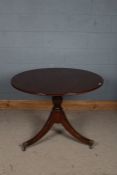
(57, 82)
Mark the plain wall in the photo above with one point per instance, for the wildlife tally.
(59, 33)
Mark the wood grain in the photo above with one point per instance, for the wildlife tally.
(68, 104)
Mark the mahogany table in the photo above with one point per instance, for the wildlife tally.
(57, 82)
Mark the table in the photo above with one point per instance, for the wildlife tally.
(57, 82)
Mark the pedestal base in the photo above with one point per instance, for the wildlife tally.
(57, 115)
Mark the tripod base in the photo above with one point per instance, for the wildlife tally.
(57, 115)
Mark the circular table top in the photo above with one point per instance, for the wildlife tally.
(56, 81)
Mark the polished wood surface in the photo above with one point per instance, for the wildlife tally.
(57, 82)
